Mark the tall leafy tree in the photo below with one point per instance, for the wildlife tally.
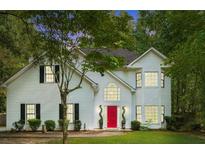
(179, 35)
(64, 33)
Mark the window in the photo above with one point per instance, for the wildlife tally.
(49, 76)
(151, 114)
(30, 111)
(162, 79)
(162, 113)
(70, 112)
(139, 79)
(112, 92)
(151, 79)
(139, 113)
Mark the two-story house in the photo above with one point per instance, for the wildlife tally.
(140, 87)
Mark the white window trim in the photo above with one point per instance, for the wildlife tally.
(158, 120)
(106, 93)
(162, 113)
(52, 69)
(137, 114)
(73, 114)
(26, 119)
(157, 79)
(137, 81)
(162, 80)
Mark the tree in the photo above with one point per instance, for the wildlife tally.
(179, 35)
(63, 33)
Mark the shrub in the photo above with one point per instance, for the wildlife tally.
(60, 123)
(135, 125)
(77, 125)
(34, 124)
(196, 127)
(50, 125)
(18, 125)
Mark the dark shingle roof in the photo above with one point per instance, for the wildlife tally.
(128, 56)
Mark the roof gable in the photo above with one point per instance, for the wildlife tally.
(155, 51)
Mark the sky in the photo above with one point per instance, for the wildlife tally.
(133, 13)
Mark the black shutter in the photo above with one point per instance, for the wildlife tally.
(41, 74)
(23, 114)
(76, 111)
(38, 111)
(57, 73)
(60, 111)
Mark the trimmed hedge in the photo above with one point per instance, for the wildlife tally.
(34, 124)
(135, 125)
(50, 125)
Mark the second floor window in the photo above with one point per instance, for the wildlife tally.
(162, 79)
(151, 79)
(112, 92)
(139, 79)
(49, 75)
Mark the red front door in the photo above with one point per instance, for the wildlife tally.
(112, 116)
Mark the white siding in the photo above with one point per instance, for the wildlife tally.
(27, 89)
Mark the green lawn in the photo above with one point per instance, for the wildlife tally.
(142, 137)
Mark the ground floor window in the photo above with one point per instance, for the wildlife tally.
(139, 113)
(162, 113)
(70, 112)
(30, 111)
(151, 114)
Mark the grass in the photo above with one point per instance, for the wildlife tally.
(141, 137)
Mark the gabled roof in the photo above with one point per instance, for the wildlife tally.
(127, 55)
(149, 50)
(31, 64)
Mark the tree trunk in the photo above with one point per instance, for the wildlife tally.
(64, 103)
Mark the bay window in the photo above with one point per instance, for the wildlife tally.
(151, 114)
(139, 113)
(139, 79)
(151, 79)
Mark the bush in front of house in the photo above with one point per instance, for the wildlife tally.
(34, 124)
(18, 125)
(135, 125)
(60, 123)
(50, 125)
(77, 125)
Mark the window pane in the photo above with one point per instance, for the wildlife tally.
(139, 79)
(30, 111)
(139, 113)
(151, 114)
(162, 79)
(49, 74)
(151, 79)
(70, 112)
(162, 113)
(112, 93)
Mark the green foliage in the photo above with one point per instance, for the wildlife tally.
(123, 122)
(18, 125)
(60, 124)
(101, 117)
(34, 124)
(50, 125)
(77, 125)
(180, 35)
(135, 125)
